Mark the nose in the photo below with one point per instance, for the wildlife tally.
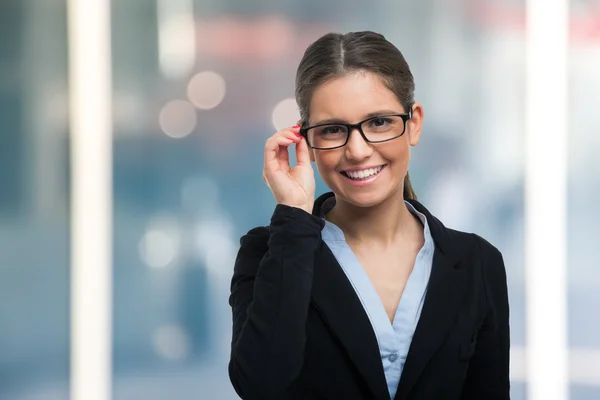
(357, 149)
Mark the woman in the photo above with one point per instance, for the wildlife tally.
(362, 293)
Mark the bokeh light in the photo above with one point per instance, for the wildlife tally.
(206, 90)
(161, 242)
(177, 118)
(171, 342)
(285, 114)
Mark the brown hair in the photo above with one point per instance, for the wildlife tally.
(335, 54)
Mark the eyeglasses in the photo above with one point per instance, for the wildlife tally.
(377, 129)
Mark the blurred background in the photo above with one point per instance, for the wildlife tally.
(198, 86)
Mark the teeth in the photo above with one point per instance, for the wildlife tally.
(365, 173)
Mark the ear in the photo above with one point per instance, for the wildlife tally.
(415, 124)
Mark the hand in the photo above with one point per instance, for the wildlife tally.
(294, 187)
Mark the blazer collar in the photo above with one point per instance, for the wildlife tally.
(337, 302)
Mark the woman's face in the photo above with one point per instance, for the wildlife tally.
(353, 98)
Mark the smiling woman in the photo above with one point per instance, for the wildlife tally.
(362, 293)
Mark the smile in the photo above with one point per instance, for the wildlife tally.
(363, 174)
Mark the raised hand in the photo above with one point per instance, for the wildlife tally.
(294, 187)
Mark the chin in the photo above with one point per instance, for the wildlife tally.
(366, 198)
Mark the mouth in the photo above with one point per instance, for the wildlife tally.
(363, 174)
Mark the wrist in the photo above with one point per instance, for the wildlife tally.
(283, 213)
(305, 207)
(308, 208)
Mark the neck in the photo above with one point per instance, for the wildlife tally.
(385, 223)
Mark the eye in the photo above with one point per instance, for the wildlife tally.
(331, 130)
(379, 122)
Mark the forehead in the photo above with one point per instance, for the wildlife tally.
(351, 97)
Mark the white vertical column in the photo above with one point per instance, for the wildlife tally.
(176, 37)
(91, 198)
(545, 199)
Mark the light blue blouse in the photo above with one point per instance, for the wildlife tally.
(393, 339)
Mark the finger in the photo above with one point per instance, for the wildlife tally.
(302, 152)
(287, 133)
(291, 133)
(284, 159)
(271, 156)
(283, 153)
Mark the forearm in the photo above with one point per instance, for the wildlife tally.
(270, 314)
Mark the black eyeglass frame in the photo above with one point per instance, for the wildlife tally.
(358, 126)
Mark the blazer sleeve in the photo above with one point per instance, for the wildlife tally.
(488, 373)
(270, 296)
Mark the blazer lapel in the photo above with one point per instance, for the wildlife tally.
(337, 302)
(445, 293)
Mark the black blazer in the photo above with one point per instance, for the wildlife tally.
(300, 331)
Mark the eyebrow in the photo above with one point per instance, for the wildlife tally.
(367, 116)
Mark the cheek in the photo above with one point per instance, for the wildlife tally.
(398, 153)
(327, 163)
(405, 155)
(399, 159)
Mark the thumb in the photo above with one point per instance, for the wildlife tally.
(302, 152)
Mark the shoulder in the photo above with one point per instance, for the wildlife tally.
(471, 250)
(485, 264)
(288, 225)
(469, 243)
(463, 244)
(255, 241)
(283, 216)
(256, 234)
(479, 252)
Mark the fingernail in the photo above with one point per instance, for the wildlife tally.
(295, 126)
(297, 134)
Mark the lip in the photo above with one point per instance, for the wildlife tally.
(365, 182)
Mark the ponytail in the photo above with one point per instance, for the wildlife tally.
(409, 192)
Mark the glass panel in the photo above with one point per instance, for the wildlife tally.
(583, 198)
(200, 85)
(34, 232)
